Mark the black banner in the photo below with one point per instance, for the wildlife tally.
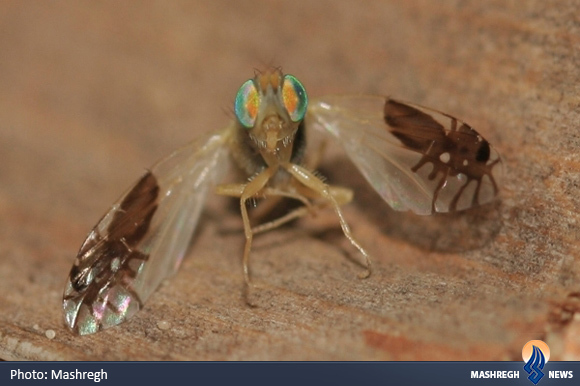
(287, 373)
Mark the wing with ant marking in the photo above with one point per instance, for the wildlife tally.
(416, 158)
(142, 239)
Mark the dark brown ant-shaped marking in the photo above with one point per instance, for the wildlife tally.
(458, 150)
(113, 260)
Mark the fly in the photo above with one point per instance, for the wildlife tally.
(416, 158)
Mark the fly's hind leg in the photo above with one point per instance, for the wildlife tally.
(236, 190)
(335, 196)
(341, 195)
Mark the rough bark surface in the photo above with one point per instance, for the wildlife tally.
(93, 93)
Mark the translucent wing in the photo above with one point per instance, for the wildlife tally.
(416, 158)
(142, 238)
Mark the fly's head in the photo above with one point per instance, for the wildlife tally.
(269, 108)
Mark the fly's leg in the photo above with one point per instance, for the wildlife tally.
(340, 194)
(322, 190)
(236, 190)
(245, 192)
(278, 193)
(309, 187)
(296, 213)
(256, 188)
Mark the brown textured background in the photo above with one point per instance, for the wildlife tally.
(93, 93)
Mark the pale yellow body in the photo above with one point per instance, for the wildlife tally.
(267, 153)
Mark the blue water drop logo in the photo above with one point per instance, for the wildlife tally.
(535, 365)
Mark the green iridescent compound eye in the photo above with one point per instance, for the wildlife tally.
(247, 104)
(295, 98)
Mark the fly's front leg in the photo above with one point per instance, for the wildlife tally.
(335, 196)
(245, 192)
